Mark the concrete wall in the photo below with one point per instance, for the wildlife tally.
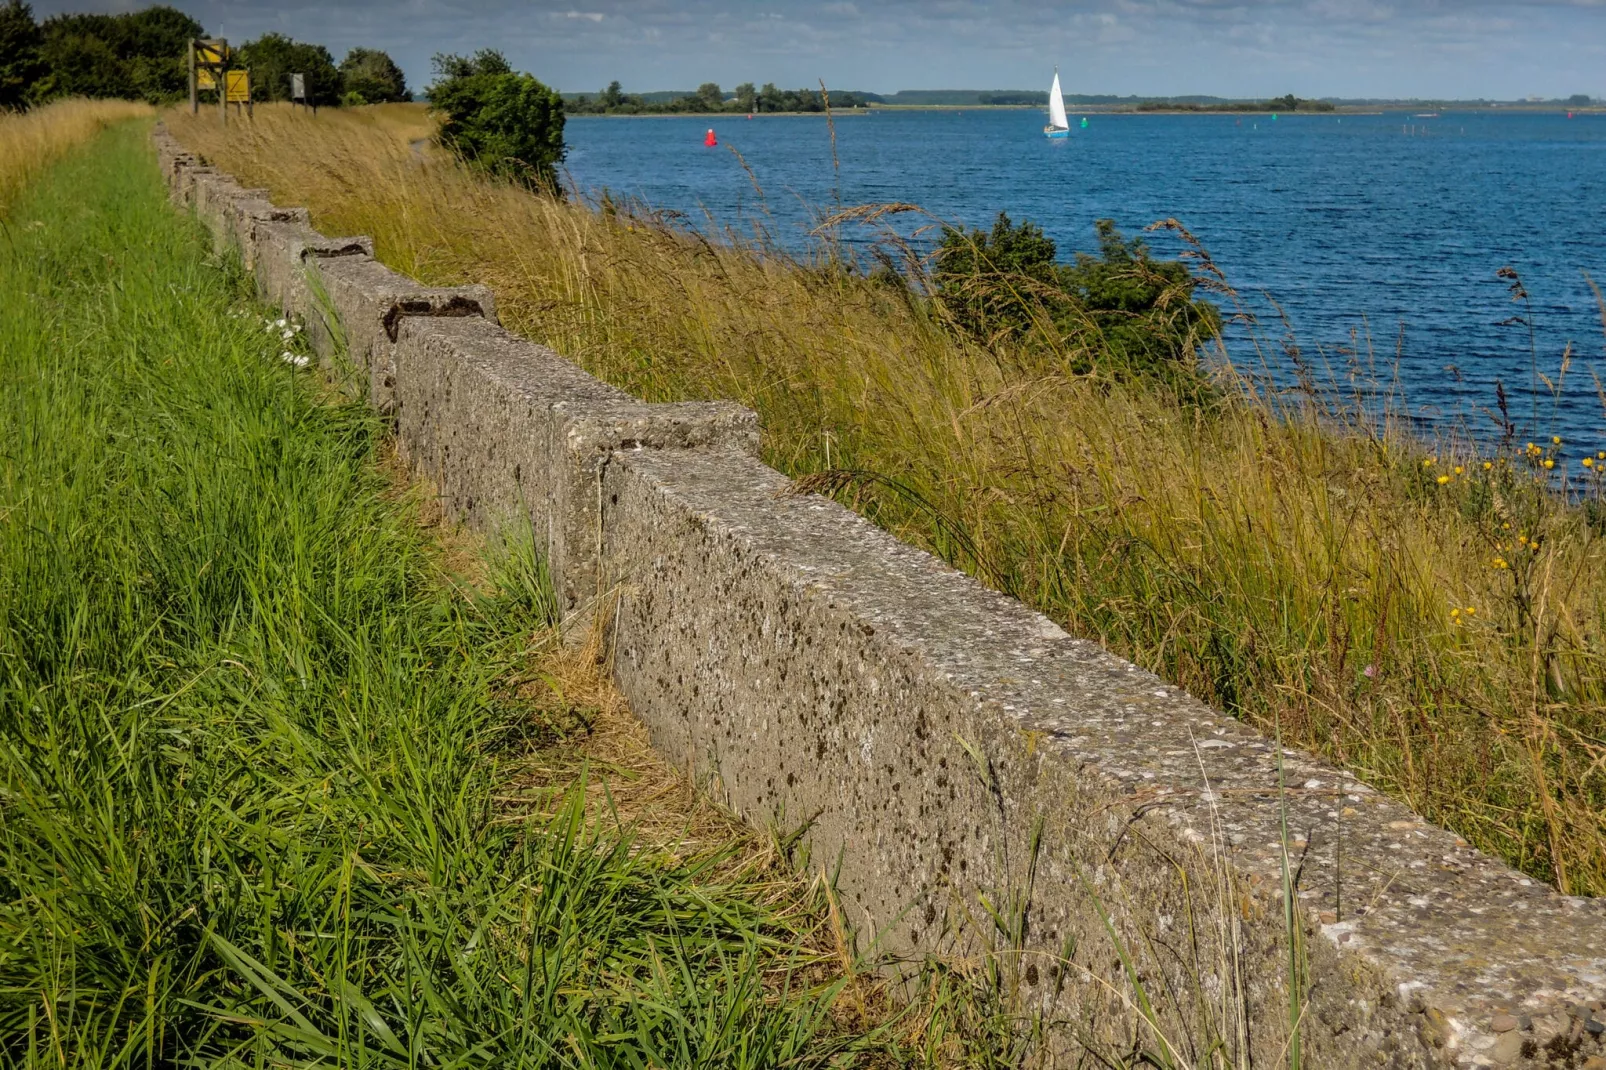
(978, 782)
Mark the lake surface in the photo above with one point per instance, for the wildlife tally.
(1388, 225)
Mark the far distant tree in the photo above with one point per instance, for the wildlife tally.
(710, 97)
(770, 98)
(613, 96)
(746, 97)
(21, 65)
(369, 76)
(273, 58)
(1580, 100)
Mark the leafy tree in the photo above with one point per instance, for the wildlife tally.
(21, 65)
(273, 58)
(83, 64)
(140, 55)
(506, 123)
(746, 97)
(613, 96)
(1580, 100)
(710, 97)
(449, 66)
(1122, 308)
(372, 77)
(770, 98)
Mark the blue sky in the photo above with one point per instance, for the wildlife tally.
(1349, 48)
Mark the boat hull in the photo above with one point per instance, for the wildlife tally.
(1055, 133)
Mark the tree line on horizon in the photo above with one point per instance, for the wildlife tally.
(144, 55)
(709, 97)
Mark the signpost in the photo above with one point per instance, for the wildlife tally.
(239, 89)
(209, 58)
(299, 94)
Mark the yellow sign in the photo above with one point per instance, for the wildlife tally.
(239, 87)
(213, 53)
(204, 79)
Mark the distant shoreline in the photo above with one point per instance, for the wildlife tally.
(1108, 110)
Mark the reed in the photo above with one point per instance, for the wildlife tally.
(31, 140)
(1426, 614)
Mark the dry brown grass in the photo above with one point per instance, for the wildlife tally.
(30, 141)
(1301, 575)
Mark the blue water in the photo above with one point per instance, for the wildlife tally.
(1388, 227)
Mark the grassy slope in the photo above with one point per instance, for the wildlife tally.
(250, 740)
(1299, 577)
(30, 141)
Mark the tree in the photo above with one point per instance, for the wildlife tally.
(770, 98)
(273, 58)
(141, 55)
(710, 97)
(505, 123)
(613, 96)
(369, 76)
(1580, 100)
(746, 97)
(21, 65)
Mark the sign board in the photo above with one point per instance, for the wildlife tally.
(239, 87)
(211, 53)
(205, 79)
(298, 87)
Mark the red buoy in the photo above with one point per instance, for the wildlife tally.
(710, 140)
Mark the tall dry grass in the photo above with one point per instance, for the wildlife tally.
(1427, 616)
(30, 141)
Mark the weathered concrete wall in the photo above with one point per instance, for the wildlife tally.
(977, 780)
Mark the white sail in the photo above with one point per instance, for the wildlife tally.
(1056, 106)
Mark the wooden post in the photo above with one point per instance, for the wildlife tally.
(195, 96)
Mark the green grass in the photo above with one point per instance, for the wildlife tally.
(250, 736)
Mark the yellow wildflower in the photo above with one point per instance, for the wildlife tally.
(1472, 611)
(1555, 440)
(1487, 465)
(1443, 480)
(1549, 463)
(1428, 462)
(1459, 469)
(1455, 614)
(1589, 462)
(1500, 562)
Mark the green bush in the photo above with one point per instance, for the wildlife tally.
(1121, 308)
(504, 122)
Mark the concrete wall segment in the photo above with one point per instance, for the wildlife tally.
(941, 741)
(513, 433)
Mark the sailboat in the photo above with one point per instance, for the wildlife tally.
(1058, 125)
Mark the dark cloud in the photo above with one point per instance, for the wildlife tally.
(1230, 47)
